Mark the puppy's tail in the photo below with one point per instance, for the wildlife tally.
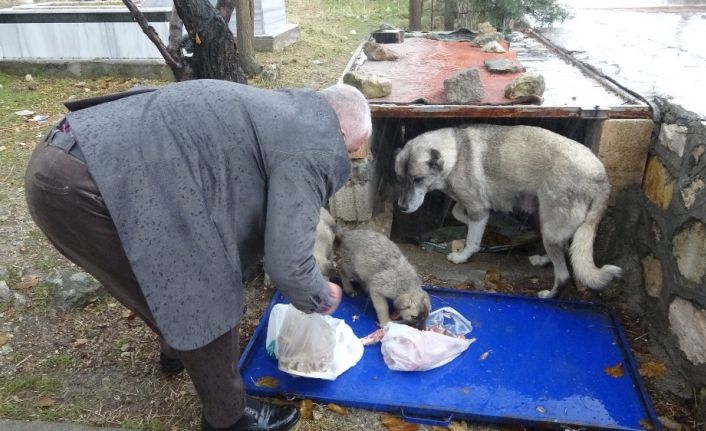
(585, 269)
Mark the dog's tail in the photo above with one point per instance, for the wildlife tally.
(585, 269)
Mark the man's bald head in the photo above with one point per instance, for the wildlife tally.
(353, 113)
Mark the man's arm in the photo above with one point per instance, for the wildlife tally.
(296, 190)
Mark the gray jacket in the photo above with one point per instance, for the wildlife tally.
(204, 178)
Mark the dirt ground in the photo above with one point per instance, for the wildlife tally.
(98, 365)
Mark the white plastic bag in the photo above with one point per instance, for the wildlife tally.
(311, 345)
(408, 349)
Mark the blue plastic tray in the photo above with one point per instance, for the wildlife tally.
(545, 366)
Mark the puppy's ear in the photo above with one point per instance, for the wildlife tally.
(435, 161)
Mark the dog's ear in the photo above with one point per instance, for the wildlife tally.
(435, 161)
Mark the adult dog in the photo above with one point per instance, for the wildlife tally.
(501, 168)
(371, 259)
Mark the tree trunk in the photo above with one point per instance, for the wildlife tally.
(449, 14)
(415, 15)
(215, 51)
(245, 26)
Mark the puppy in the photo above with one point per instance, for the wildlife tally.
(374, 261)
(487, 167)
(323, 246)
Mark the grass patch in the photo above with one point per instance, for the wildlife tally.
(41, 295)
(43, 385)
(60, 361)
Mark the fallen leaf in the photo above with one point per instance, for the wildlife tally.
(267, 382)
(492, 276)
(395, 423)
(615, 371)
(80, 342)
(45, 403)
(337, 409)
(3, 339)
(464, 285)
(306, 409)
(128, 314)
(652, 369)
(197, 39)
(28, 282)
(646, 424)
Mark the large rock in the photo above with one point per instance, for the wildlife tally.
(494, 47)
(464, 87)
(526, 87)
(486, 27)
(74, 289)
(372, 85)
(652, 275)
(377, 52)
(673, 136)
(5, 292)
(501, 65)
(688, 322)
(484, 38)
(690, 193)
(689, 248)
(658, 184)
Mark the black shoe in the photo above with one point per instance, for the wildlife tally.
(170, 366)
(261, 416)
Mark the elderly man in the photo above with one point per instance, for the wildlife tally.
(171, 197)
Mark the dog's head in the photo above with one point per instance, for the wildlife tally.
(413, 307)
(423, 165)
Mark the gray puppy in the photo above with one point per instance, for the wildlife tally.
(374, 261)
(486, 167)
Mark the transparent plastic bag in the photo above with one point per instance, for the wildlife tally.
(450, 320)
(408, 349)
(311, 345)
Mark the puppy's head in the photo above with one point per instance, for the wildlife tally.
(414, 308)
(422, 166)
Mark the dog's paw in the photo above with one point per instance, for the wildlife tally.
(539, 260)
(457, 257)
(546, 294)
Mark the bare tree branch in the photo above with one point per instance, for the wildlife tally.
(152, 34)
(175, 32)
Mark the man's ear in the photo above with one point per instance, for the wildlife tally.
(435, 161)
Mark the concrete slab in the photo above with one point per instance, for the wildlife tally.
(12, 425)
(514, 268)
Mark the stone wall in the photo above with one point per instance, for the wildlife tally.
(663, 231)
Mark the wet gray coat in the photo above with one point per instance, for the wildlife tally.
(203, 178)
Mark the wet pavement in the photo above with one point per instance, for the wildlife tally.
(652, 47)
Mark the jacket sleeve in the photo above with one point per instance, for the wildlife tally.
(296, 191)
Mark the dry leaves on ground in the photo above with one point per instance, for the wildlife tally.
(394, 423)
(652, 369)
(337, 409)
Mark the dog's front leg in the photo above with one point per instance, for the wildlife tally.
(476, 227)
(381, 308)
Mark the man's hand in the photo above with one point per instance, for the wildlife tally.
(334, 298)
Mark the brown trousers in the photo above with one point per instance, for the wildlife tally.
(67, 206)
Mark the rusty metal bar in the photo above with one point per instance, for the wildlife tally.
(504, 111)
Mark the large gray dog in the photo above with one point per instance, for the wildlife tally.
(501, 168)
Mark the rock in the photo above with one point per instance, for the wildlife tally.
(385, 26)
(485, 38)
(670, 423)
(377, 52)
(270, 73)
(20, 300)
(464, 87)
(652, 274)
(528, 86)
(6, 349)
(28, 78)
(4, 273)
(372, 85)
(493, 47)
(690, 193)
(673, 136)
(689, 248)
(658, 184)
(486, 27)
(73, 290)
(502, 65)
(5, 292)
(688, 322)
